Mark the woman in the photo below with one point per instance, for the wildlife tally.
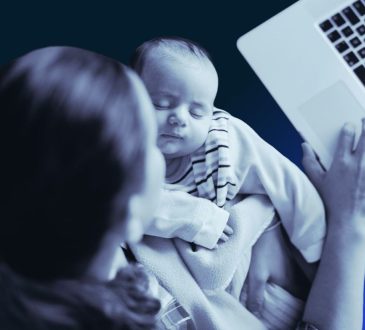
(80, 172)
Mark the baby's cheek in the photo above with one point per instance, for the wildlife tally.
(160, 121)
(203, 130)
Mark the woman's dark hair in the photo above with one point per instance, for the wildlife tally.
(72, 141)
(177, 45)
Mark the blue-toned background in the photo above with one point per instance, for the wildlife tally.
(115, 28)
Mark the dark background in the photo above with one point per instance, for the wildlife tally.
(115, 28)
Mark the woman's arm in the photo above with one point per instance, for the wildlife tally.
(336, 297)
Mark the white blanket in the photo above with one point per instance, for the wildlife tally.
(198, 279)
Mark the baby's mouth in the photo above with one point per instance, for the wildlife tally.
(172, 135)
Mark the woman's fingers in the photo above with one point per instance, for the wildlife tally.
(360, 149)
(311, 165)
(255, 293)
(345, 142)
(360, 157)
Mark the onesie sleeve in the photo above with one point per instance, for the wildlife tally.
(190, 218)
(261, 169)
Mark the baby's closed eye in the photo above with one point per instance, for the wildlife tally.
(162, 103)
(199, 111)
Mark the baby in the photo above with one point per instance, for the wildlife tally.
(212, 157)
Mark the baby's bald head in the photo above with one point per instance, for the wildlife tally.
(171, 48)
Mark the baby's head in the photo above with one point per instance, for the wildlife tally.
(183, 84)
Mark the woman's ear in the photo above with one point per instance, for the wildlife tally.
(134, 228)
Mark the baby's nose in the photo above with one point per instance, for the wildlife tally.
(178, 117)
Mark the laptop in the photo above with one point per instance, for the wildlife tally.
(311, 58)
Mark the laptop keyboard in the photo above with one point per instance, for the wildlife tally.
(346, 31)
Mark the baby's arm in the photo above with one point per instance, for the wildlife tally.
(190, 218)
(262, 169)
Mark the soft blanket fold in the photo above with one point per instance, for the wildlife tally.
(197, 279)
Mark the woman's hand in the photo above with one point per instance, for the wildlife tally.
(342, 187)
(272, 261)
(336, 297)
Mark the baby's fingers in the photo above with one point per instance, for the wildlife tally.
(228, 230)
(223, 238)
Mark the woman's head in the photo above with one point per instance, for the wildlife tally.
(77, 140)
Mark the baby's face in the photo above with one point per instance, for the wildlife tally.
(183, 93)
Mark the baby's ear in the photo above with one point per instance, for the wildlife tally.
(134, 228)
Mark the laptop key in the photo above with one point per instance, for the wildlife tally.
(338, 20)
(333, 36)
(355, 42)
(351, 59)
(360, 8)
(361, 29)
(342, 46)
(347, 31)
(361, 52)
(350, 15)
(326, 25)
(360, 72)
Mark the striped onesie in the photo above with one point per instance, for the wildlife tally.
(235, 160)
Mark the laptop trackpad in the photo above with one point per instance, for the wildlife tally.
(328, 111)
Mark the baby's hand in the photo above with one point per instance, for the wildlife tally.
(227, 231)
